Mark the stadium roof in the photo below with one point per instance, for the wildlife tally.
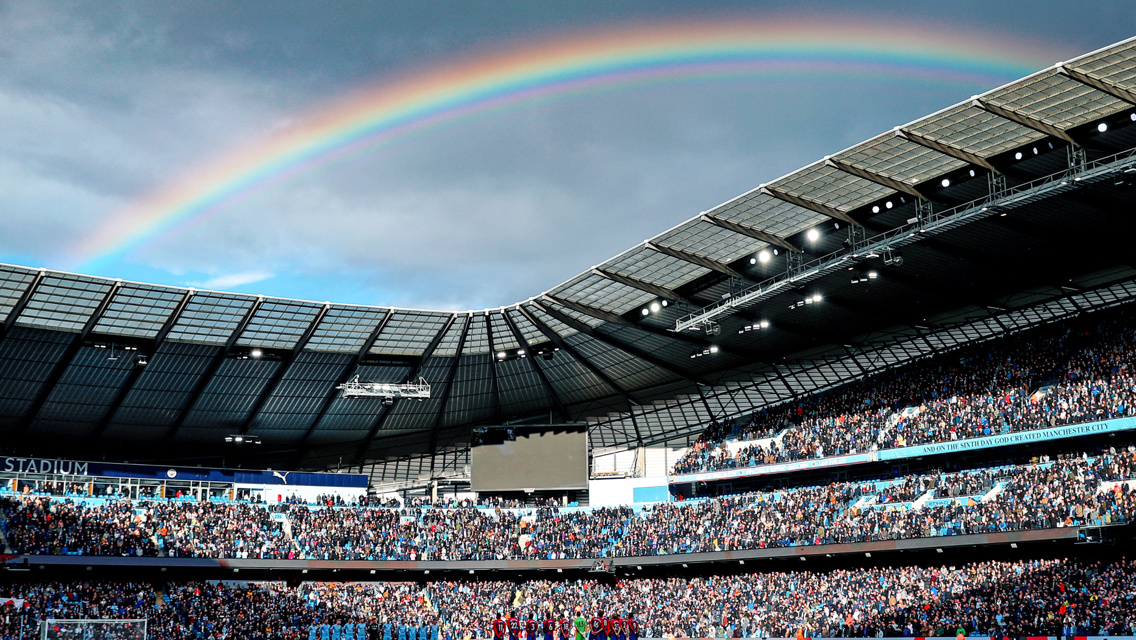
(1009, 209)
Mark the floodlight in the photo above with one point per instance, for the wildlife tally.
(875, 208)
(521, 352)
(238, 439)
(646, 311)
(813, 235)
(1102, 127)
(663, 302)
(655, 307)
(228, 438)
(1132, 116)
(972, 174)
(1018, 156)
(888, 204)
(764, 324)
(816, 297)
(872, 275)
(501, 355)
(256, 353)
(764, 256)
(713, 348)
(753, 260)
(946, 182)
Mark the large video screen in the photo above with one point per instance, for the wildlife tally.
(515, 458)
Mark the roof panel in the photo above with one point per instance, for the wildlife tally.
(656, 268)
(139, 310)
(477, 342)
(345, 329)
(763, 212)
(819, 182)
(278, 324)
(894, 157)
(531, 334)
(558, 327)
(448, 346)
(13, 282)
(503, 337)
(1115, 65)
(597, 291)
(709, 241)
(971, 129)
(1056, 99)
(210, 318)
(408, 333)
(64, 302)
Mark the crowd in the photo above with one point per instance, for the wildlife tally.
(1016, 599)
(1067, 491)
(1067, 373)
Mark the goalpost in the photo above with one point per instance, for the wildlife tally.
(92, 629)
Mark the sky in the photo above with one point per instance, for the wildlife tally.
(207, 144)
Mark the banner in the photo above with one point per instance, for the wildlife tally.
(956, 446)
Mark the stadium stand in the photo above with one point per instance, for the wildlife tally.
(1073, 490)
(1060, 597)
(1071, 372)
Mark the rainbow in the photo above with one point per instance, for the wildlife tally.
(552, 69)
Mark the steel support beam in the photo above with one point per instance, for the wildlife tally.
(66, 359)
(1024, 120)
(136, 372)
(448, 391)
(273, 383)
(1120, 93)
(559, 341)
(712, 265)
(213, 367)
(811, 205)
(612, 342)
(653, 289)
(348, 371)
(497, 412)
(756, 234)
(553, 398)
(946, 149)
(21, 304)
(876, 178)
(377, 425)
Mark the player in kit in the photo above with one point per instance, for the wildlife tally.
(500, 628)
(564, 627)
(631, 626)
(615, 628)
(531, 627)
(597, 626)
(514, 626)
(548, 625)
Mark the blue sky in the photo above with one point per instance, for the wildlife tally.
(104, 103)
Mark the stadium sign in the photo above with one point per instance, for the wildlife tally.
(45, 466)
(955, 446)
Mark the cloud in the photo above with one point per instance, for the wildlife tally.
(232, 280)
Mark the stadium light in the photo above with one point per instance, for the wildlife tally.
(663, 302)
(713, 348)
(646, 311)
(813, 235)
(1018, 156)
(888, 204)
(753, 260)
(764, 256)
(946, 182)
(655, 307)
(1102, 127)
(875, 208)
(256, 353)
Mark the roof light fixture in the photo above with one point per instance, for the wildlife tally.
(764, 256)
(813, 235)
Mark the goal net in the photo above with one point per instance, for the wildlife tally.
(95, 629)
